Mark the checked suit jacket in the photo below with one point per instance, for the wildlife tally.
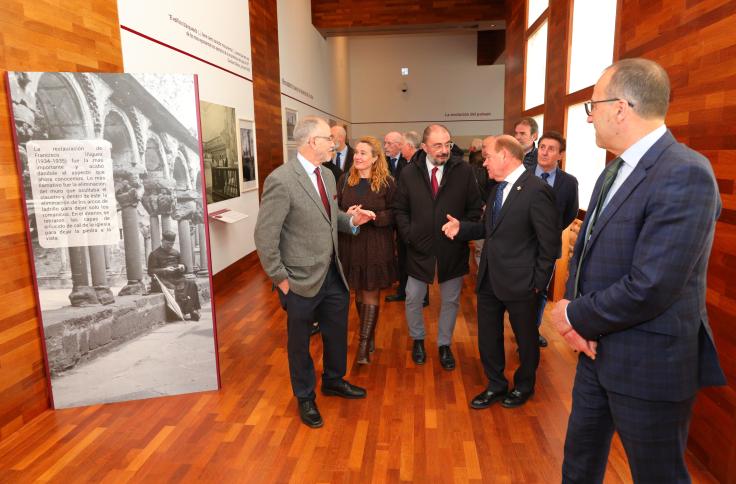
(294, 236)
(643, 278)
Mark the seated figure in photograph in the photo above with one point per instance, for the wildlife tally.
(165, 262)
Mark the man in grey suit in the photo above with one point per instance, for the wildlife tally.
(296, 239)
(635, 301)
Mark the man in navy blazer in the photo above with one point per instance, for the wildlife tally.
(522, 241)
(635, 302)
(565, 187)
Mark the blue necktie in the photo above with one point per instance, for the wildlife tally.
(545, 177)
(498, 202)
(337, 160)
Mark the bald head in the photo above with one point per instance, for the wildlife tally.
(339, 135)
(392, 144)
(503, 155)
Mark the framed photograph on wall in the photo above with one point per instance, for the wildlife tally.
(248, 154)
(220, 146)
(292, 117)
(117, 233)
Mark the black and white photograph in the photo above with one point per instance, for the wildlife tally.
(112, 182)
(248, 155)
(291, 119)
(220, 147)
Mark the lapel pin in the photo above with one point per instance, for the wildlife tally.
(518, 188)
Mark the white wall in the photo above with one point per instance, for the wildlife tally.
(228, 22)
(445, 85)
(314, 70)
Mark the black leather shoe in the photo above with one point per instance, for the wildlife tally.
(344, 389)
(309, 414)
(417, 352)
(486, 398)
(394, 298)
(542, 341)
(446, 359)
(315, 329)
(515, 398)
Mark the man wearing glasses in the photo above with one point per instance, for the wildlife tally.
(635, 300)
(432, 187)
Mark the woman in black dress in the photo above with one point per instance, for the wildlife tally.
(368, 258)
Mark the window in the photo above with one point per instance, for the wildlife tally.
(539, 118)
(593, 31)
(534, 10)
(583, 158)
(536, 67)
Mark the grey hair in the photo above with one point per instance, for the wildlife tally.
(305, 127)
(477, 143)
(643, 83)
(412, 137)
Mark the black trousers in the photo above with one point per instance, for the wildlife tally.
(330, 308)
(654, 434)
(523, 318)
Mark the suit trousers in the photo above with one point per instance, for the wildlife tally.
(522, 316)
(654, 434)
(330, 308)
(416, 291)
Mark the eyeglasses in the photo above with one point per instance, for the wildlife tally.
(328, 138)
(437, 146)
(589, 104)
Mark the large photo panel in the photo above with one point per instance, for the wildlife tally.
(113, 192)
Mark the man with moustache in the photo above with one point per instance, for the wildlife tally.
(522, 240)
(434, 186)
(296, 239)
(635, 303)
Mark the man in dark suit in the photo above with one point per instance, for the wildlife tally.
(526, 132)
(565, 188)
(296, 239)
(522, 240)
(635, 302)
(393, 145)
(342, 158)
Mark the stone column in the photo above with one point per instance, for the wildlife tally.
(155, 232)
(203, 259)
(186, 211)
(127, 196)
(185, 246)
(99, 274)
(82, 294)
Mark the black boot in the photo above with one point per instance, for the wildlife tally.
(372, 339)
(367, 322)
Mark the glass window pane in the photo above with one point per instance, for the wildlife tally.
(536, 67)
(593, 31)
(583, 159)
(539, 118)
(534, 10)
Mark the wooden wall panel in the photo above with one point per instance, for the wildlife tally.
(43, 35)
(694, 41)
(345, 14)
(264, 41)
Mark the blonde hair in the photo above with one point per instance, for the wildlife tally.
(379, 171)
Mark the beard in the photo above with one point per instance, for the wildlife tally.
(437, 162)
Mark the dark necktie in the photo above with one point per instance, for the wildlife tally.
(608, 179)
(337, 160)
(498, 202)
(545, 177)
(435, 185)
(393, 165)
(322, 192)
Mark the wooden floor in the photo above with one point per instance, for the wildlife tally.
(415, 425)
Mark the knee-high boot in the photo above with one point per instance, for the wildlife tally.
(370, 311)
(372, 337)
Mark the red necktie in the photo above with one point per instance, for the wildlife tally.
(435, 185)
(322, 192)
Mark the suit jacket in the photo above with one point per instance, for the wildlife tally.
(566, 196)
(294, 237)
(400, 164)
(643, 280)
(348, 160)
(524, 244)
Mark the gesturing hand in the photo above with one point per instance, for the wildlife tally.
(360, 216)
(452, 227)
